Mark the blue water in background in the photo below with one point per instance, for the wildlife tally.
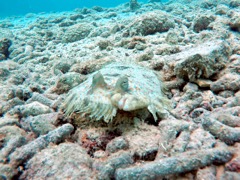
(21, 7)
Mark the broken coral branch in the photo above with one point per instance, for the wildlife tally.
(181, 163)
(27, 151)
(225, 133)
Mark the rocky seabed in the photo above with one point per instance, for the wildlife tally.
(193, 45)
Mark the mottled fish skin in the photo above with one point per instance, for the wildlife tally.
(117, 87)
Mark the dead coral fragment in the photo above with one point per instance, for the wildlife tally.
(150, 23)
(178, 164)
(27, 151)
(117, 87)
(225, 133)
(134, 5)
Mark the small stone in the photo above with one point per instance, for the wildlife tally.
(200, 139)
(7, 93)
(148, 55)
(140, 47)
(4, 72)
(234, 164)
(11, 137)
(199, 62)
(98, 8)
(67, 81)
(204, 83)
(106, 169)
(24, 153)
(76, 32)
(41, 128)
(134, 5)
(2, 57)
(90, 66)
(230, 175)
(5, 121)
(172, 37)
(166, 49)
(234, 3)
(58, 19)
(6, 106)
(67, 160)
(143, 146)
(41, 99)
(151, 23)
(226, 94)
(103, 44)
(61, 68)
(110, 15)
(99, 154)
(7, 171)
(201, 23)
(66, 24)
(40, 124)
(191, 87)
(235, 23)
(206, 173)
(33, 109)
(227, 118)
(222, 9)
(4, 47)
(117, 144)
(230, 81)
(76, 16)
(234, 101)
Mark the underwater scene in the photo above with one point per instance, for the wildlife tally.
(120, 89)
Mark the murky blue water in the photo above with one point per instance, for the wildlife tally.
(21, 7)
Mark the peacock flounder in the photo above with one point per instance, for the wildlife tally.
(117, 87)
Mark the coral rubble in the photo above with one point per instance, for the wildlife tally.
(138, 91)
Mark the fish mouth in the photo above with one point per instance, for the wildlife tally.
(129, 102)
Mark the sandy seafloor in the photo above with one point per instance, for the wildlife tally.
(193, 45)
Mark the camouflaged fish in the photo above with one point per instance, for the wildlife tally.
(117, 87)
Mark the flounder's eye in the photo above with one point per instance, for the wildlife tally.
(97, 82)
(122, 84)
(98, 79)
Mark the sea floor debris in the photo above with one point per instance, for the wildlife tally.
(44, 57)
